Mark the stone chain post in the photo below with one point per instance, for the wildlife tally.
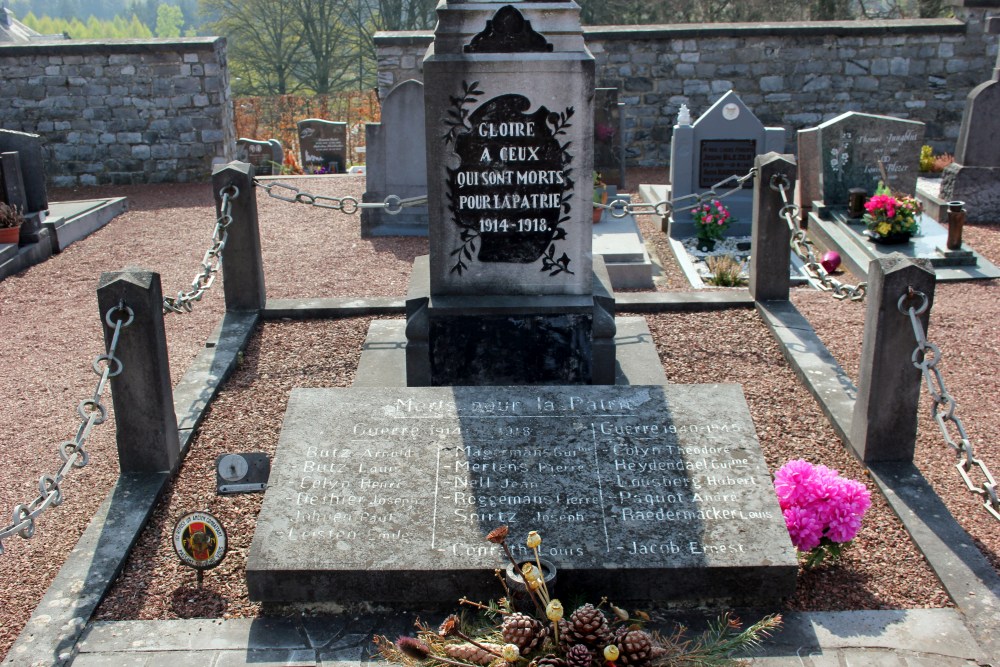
(242, 264)
(143, 396)
(770, 233)
(884, 427)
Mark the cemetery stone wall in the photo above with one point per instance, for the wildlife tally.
(793, 75)
(121, 111)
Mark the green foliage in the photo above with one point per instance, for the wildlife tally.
(169, 20)
(726, 271)
(94, 28)
(926, 158)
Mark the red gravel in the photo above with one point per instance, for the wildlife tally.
(49, 315)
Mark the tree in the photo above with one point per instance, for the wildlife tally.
(264, 43)
(169, 21)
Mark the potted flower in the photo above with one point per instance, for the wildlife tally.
(890, 219)
(10, 223)
(710, 223)
(600, 196)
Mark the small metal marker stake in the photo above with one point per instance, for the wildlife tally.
(200, 541)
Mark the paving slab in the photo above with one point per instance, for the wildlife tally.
(71, 221)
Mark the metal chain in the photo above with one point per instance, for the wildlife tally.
(211, 262)
(926, 357)
(620, 208)
(92, 412)
(802, 246)
(393, 204)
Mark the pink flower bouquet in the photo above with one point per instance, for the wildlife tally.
(822, 510)
(711, 220)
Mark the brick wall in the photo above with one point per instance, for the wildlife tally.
(122, 111)
(791, 75)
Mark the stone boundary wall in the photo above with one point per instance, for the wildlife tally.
(791, 75)
(121, 111)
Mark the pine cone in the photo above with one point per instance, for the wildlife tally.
(590, 626)
(525, 632)
(636, 649)
(549, 661)
(579, 656)
(471, 653)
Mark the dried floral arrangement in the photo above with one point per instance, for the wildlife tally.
(498, 635)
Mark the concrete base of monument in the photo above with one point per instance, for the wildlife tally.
(477, 339)
(833, 230)
(652, 492)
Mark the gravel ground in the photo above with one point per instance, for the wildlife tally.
(49, 314)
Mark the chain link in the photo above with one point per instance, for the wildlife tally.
(802, 246)
(92, 412)
(211, 262)
(620, 208)
(926, 357)
(393, 204)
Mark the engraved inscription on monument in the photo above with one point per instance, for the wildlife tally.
(645, 480)
(510, 195)
(721, 158)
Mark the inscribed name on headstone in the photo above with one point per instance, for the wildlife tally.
(388, 494)
(397, 163)
(265, 156)
(722, 143)
(323, 146)
(509, 137)
(608, 154)
(855, 150)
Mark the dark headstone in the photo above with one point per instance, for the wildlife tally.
(265, 156)
(609, 158)
(32, 158)
(387, 495)
(397, 163)
(323, 146)
(722, 143)
(852, 147)
(12, 182)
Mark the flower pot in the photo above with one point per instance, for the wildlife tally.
(598, 214)
(706, 245)
(9, 234)
(515, 582)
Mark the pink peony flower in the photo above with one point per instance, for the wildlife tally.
(818, 503)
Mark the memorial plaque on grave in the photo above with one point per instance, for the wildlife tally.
(510, 194)
(644, 492)
(721, 158)
(857, 148)
(265, 156)
(323, 145)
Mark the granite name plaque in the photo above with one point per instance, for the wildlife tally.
(644, 491)
(721, 158)
(510, 194)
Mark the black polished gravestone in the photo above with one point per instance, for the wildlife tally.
(267, 157)
(643, 492)
(510, 293)
(323, 146)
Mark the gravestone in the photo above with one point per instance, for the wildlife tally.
(509, 293)
(396, 163)
(32, 161)
(609, 155)
(853, 150)
(974, 176)
(265, 156)
(646, 492)
(323, 146)
(12, 182)
(723, 142)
